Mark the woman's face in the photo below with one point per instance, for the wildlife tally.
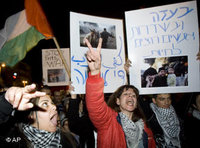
(127, 101)
(163, 100)
(47, 116)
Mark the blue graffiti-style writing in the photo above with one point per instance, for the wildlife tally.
(164, 52)
(153, 29)
(81, 75)
(188, 10)
(165, 15)
(79, 62)
(117, 61)
(161, 39)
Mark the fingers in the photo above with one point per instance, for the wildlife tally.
(9, 96)
(29, 88)
(90, 56)
(25, 106)
(88, 44)
(99, 45)
(17, 97)
(14, 95)
(36, 94)
(20, 97)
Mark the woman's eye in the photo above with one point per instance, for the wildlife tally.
(125, 94)
(45, 104)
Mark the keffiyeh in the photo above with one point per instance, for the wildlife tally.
(133, 130)
(42, 138)
(169, 122)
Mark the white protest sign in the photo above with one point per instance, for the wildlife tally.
(113, 56)
(162, 45)
(54, 73)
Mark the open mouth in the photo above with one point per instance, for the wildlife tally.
(54, 119)
(130, 102)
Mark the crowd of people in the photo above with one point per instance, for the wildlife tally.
(31, 117)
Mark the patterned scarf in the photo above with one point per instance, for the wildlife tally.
(42, 138)
(133, 130)
(196, 114)
(169, 122)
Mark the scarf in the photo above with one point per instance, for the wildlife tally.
(169, 123)
(42, 138)
(133, 130)
(196, 114)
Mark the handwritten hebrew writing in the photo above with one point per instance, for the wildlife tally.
(164, 52)
(169, 27)
(165, 15)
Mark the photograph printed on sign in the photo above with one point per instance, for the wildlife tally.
(165, 72)
(93, 28)
(56, 75)
(93, 31)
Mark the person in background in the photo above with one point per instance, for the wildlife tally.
(28, 118)
(79, 121)
(105, 35)
(192, 122)
(171, 77)
(64, 125)
(149, 74)
(57, 99)
(46, 89)
(120, 124)
(167, 127)
(160, 80)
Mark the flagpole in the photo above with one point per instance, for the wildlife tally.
(62, 57)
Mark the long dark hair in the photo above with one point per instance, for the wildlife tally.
(137, 113)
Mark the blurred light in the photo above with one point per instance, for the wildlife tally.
(3, 65)
(24, 82)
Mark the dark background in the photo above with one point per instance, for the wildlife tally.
(57, 12)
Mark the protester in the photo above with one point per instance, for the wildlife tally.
(121, 124)
(79, 121)
(162, 119)
(34, 123)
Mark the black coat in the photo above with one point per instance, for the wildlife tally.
(81, 125)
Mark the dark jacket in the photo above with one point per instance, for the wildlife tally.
(12, 137)
(81, 125)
